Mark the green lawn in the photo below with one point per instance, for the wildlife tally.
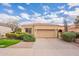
(7, 42)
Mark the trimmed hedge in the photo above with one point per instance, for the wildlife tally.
(22, 36)
(69, 36)
(13, 35)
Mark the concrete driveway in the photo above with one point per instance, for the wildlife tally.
(44, 47)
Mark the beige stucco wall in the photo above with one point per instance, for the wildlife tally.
(45, 27)
(46, 33)
(27, 26)
(37, 27)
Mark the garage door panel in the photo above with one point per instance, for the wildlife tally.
(46, 33)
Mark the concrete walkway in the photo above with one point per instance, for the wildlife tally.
(22, 45)
(42, 47)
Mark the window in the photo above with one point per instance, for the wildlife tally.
(29, 30)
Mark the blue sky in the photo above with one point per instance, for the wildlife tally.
(52, 13)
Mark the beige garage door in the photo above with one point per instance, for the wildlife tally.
(49, 33)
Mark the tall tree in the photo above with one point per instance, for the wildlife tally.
(11, 23)
(76, 22)
(65, 25)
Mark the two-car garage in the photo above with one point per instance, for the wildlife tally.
(46, 33)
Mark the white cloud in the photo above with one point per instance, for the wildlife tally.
(39, 20)
(9, 11)
(26, 22)
(21, 7)
(18, 17)
(75, 12)
(57, 20)
(36, 18)
(6, 18)
(25, 15)
(73, 4)
(70, 13)
(61, 11)
(60, 21)
(61, 7)
(6, 4)
(51, 15)
(46, 8)
(35, 14)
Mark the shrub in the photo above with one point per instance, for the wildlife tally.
(69, 36)
(18, 30)
(22, 36)
(10, 35)
(28, 38)
(13, 35)
(77, 34)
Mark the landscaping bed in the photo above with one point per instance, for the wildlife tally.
(19, 35)
(8, 42)
(12, 38)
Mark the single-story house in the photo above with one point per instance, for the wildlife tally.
(42, 30)
(4, 30)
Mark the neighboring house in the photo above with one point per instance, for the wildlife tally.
(4, 30)
(41, 30)
(73, 28)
